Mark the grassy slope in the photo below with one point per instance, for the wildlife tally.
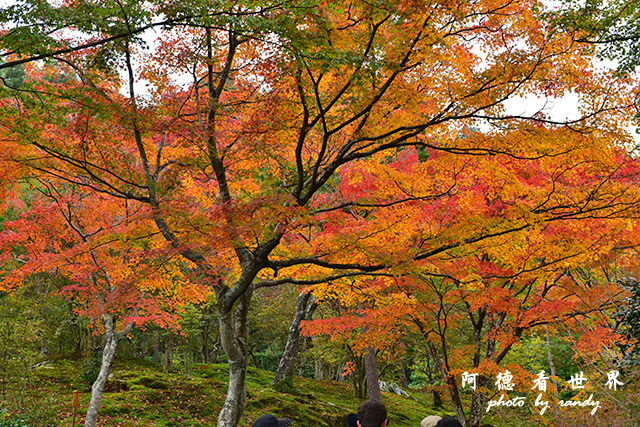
(156, 398)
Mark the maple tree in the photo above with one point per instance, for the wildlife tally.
(251, 109)
(111, 279)
(499, 241)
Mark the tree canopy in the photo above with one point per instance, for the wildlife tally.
(364, 149)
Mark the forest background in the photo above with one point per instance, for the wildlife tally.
(334, 190)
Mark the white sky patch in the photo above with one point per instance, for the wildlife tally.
(561, 109)
(556, 109)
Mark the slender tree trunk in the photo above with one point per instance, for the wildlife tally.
(404, 381)
(552, 374)
(108, 353)
(205, 343)
(448, 378)
(479, 398)
(478, 402)
(168, 353)
(437, 399)
(303, 356)
(435, 393)
(234, 338)
(156, 347)
(455, 399)
(319, 368)
(305, 306)
(359, 377)
(371, 371)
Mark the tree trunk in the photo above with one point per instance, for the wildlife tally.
(360, 377)
(371, 371)
(303, 356)
(320, 370)
(404, 380)
(552, 374)
(234, 338)
(185, 361)
(204, 333)
(448, 378)
(305, 306)
(437, 399)
(168, 353)
(478, 402)
(156, 347)
(108, 353)
(455, 399)
(479, 398)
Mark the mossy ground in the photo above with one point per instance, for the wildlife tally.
(151, 397)
(157, 398)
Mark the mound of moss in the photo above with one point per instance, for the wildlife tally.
(156, 398)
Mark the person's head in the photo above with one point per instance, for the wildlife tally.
(269, 420)
(352, 420)
(430, 421)
(372, 413)
(449, 422)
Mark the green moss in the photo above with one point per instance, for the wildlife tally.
(286, 386)
(152, 382)
(169, 399)
(114, 410)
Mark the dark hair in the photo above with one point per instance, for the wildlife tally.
(372, 413)
(449, 422)
(268, 420)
